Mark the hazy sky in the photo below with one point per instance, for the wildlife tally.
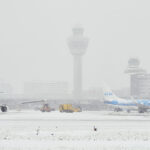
(33, 37)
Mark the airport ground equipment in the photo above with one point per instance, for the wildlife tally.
(45, 106)
(69, 108)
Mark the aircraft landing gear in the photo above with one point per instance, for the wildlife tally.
(142, 110)
(117, 109)
(4, 108)
(128, 110)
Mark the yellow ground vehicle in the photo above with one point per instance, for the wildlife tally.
(68, 108)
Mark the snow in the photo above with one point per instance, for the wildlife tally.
(34, 130)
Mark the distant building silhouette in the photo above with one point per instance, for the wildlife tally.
(54, 89)
(5, 87)
(139, 80)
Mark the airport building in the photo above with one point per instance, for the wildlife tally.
(55, 89)
(139, 80)
(5, 88)
(93, 93)
(140, 85)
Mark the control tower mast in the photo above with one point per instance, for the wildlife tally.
(77, 44)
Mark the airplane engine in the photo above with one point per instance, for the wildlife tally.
(4, 108)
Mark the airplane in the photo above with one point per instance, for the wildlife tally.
(143, 105)
(120, 104)
(45, 107)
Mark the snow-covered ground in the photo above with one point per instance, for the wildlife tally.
(34, 130)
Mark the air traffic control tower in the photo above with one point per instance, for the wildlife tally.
(77, 44)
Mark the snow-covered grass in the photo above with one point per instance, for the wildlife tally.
(33, 130)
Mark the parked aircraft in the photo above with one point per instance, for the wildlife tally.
(119, 104)
(143, 105)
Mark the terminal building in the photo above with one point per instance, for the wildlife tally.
(139, 80)
(140, 86)
(54, 89)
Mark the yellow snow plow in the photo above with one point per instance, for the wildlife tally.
(69, 108)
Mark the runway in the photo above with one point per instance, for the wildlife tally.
(26, 130)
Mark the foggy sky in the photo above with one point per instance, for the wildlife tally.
(33, 39)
